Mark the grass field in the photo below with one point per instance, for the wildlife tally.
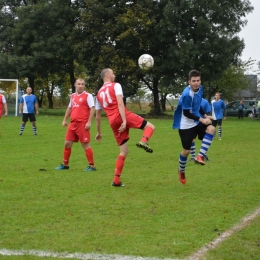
(154, 216)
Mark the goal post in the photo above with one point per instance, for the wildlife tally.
(16, 93)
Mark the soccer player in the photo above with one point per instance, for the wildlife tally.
(28, 107)
(218, 113)
(81, 111)
(3, 104)
(206, 107)
(187, 118)
(110, 99)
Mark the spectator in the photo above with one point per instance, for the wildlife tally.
(241, 109)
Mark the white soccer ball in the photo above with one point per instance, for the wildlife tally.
(145, 61)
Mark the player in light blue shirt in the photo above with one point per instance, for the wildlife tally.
(188, 119)
(218, 113)
(28, 107)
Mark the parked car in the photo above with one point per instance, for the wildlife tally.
(232, 107)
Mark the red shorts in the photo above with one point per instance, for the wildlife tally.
(132, 121)
(77, 132)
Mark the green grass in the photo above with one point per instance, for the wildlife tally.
(153, 216)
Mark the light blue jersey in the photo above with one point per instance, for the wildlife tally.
(218, 108)
(28, 103)
(205, 106)
(189, 100)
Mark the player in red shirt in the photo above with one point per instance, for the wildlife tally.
(110, 99)
(3, 104)
(81, 110)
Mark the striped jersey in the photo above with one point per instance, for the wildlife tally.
(28, 103)
(189, 100)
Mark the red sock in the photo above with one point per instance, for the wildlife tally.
(90, 156)
(66, 156)
(148, 132)
(120, 161)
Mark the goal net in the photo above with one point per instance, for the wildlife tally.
(12, 99)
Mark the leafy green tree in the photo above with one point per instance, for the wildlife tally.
(38, 38)
(180, 35)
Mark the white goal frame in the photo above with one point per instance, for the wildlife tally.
(16, 92)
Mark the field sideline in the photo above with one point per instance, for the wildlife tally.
(214, 216)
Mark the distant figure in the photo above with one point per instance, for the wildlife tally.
(218, 112)
(240, 109)
(28, 107)
(253, 112)
(3, 104)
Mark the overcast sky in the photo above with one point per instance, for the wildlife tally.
(251, 35)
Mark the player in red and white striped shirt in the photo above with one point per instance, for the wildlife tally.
(81, 110)
(110, 99)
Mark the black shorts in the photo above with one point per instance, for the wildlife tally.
(29, 116)
(187, 135)
(217, 122)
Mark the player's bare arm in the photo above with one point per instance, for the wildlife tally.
(91, 115)
(121, 108)
(67, 115)
(6, 109)
(21, 108)
(98, 125)
(36, 108)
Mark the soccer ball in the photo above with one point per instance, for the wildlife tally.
(145, 62)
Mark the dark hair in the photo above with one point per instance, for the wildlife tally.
(193, 73)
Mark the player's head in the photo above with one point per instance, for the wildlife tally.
(79, 85)
(193, 73)
(107, 75)
(194, 80)
(217, 96)
(29, 90)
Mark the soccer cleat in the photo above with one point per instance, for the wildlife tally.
(144, 146)
(192, 159)
(206, 158)
(182, 176)
(20, 133)
(90, 169)
(62, 167)
(199, 160)
(117, 185)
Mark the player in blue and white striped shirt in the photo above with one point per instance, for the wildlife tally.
(28, 107)
(187, 118)
(218, 113)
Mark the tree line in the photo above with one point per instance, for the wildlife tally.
(50, 43)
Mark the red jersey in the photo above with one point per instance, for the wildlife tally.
(2, 101)
(80, 105)
(106, 98)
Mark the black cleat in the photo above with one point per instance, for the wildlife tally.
(117, 185)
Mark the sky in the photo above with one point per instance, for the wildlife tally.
(251, 35)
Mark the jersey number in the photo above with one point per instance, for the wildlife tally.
(105, 97)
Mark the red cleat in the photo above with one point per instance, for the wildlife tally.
(182, 176)
(199, 160)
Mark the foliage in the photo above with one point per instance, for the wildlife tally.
(41, 38)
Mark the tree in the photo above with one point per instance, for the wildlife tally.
(180, 35)
(38, 40)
